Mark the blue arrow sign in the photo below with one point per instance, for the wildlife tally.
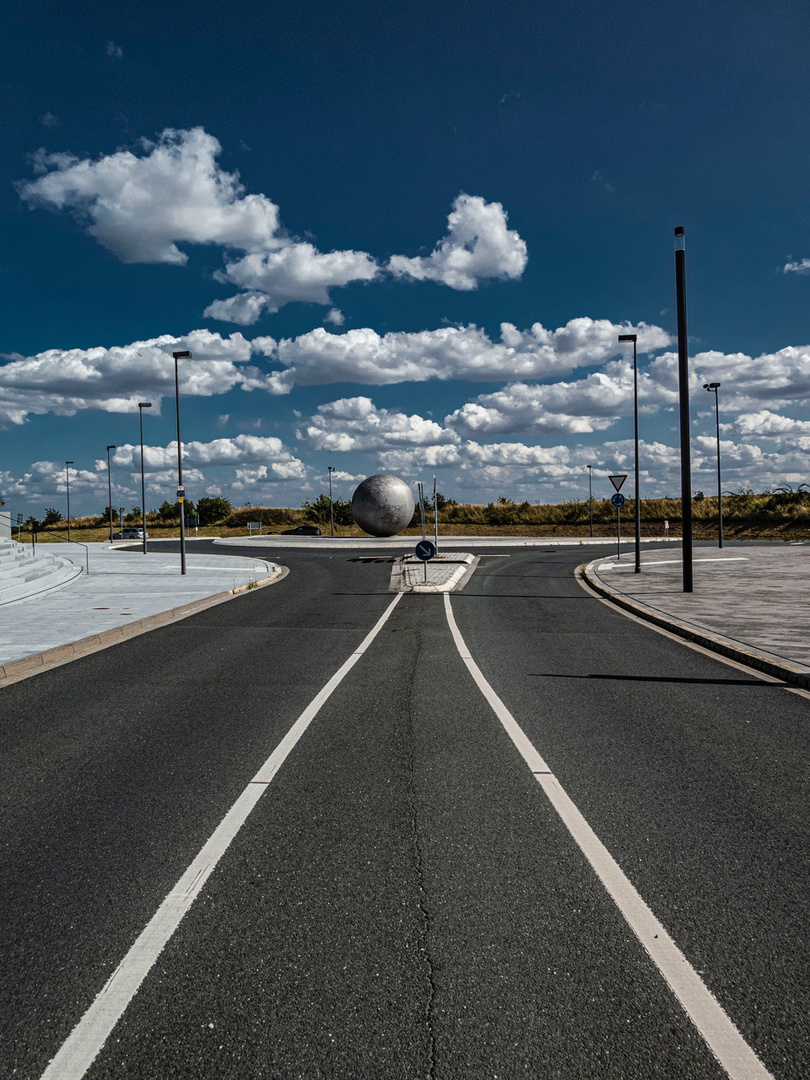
(618, 500)
(425, 550)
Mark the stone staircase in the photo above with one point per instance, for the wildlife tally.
(24, 576)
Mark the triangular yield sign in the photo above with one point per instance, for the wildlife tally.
(617, 481)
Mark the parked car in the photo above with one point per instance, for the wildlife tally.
(302, 530)
(130, 534)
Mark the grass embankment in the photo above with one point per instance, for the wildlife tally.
(783, 514)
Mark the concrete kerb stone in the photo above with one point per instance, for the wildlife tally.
(16, 670)
(447, 572)
(733, 650)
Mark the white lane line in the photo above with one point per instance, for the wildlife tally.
(670, 562)
(723, 1039)
(78, 1051)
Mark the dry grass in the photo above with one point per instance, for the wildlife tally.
(783, 514)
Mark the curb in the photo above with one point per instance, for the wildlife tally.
(713, 642)
(26, 666)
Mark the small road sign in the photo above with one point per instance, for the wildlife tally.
(425, 550)
(181, 490)
(617, 481)
(618, 500)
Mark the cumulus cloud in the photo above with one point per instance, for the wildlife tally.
(801, 267)
(356, 424)
(142, 207)
(240, 450)
(115, 378)
(562, 408)
(364, 356)
(335, 317)
(478, 245)
(298, 272)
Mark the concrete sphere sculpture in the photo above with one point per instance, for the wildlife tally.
(383, 505)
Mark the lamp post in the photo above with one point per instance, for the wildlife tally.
(67, 485)
(683, 398)
(331, 507)
(181, 492)
(590, 496)
(633, 338)
(109, 491)
(141, 406)
(715, 386)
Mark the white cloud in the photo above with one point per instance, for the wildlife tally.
(356, 424)
(802, 267)
(114, 50)
(115, 378)
(48, 120)
(240, 450)
(335, 317)
(478, 245)
(142, 207)
(298, 272)
(364, 356)
(562, 408)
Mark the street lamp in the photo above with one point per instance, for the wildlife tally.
(67, 484)
(632, 337)
(141, 406)
(331, 507)
(109, 491)
(683, 411)
(590, 495)
(715, 386)
(181, 491)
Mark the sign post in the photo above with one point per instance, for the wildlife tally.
(425, 550)
(617, 500)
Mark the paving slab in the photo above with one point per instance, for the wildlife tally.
(749, 603)
(125, 593)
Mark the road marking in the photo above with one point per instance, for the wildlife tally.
(670, 562)
(79, 1050)
(723, 1039)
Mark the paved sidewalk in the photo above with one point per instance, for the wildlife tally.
(749, 603)
(125, 593)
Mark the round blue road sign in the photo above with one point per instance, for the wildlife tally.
(618, 500)
(425, 550)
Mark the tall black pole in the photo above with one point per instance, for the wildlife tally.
(635, 422)
(633, 338)
(714, 386)
(590, 497)
(109, 493)
(141, 406)
(331, 505)
(67, 485)
(181, 494)
(683, 391)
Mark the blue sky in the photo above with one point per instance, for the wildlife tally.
(399, 239)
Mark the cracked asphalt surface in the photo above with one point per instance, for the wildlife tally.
(404, 901)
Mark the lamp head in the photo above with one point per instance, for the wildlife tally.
(710, 385)
(144, 404)
(628, 337)
(112, 448)
(186, 355)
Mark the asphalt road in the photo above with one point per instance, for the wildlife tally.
(404, 901)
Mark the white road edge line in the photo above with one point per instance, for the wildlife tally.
(79, 1050)
(723, 1039)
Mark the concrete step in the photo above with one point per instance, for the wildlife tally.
(24, 576)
